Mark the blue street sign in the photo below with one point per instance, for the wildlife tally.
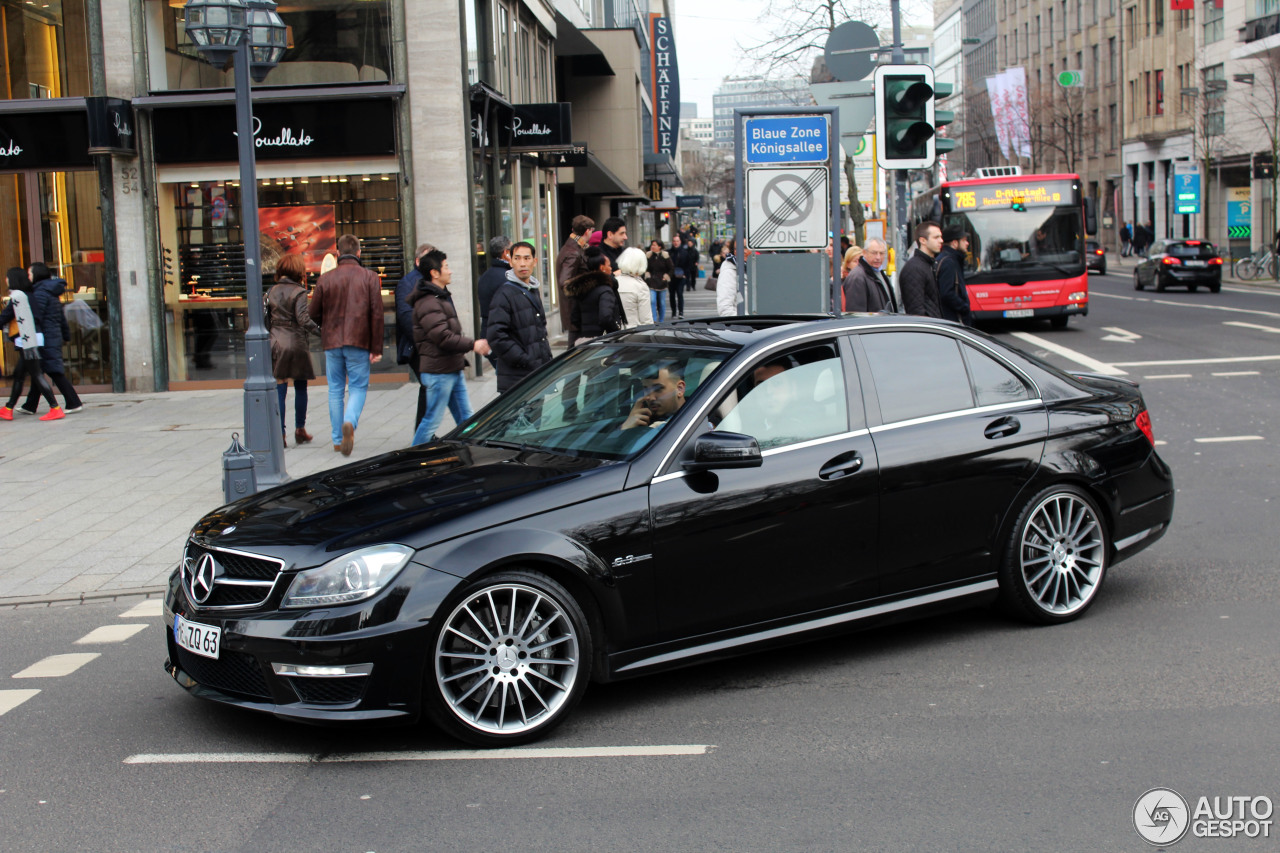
(1186, 192)
(787, 139)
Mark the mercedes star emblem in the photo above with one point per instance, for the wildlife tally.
(202, 578)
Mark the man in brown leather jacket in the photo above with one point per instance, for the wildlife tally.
(570, 264)
(347, 303)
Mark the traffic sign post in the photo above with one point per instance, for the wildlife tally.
(1186, 187)
(786, 201)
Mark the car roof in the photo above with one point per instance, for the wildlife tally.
(737, 332)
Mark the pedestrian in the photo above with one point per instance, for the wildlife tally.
(658, 271)
(290, 322)
(727, 295)
(1126, 240)
(570, 264)
(405, 353)
(19, 322)
(866, 288)
(848, 259)
(613, 238)
(517, 329)
(347, 305)
(948, 272)
(491, 279)
(715, 250)
(634, 294)
(916, 280)
(46, 304)
(684, 256)
(845, 244)
(598, 308)
(440, 345)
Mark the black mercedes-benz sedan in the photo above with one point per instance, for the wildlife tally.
(660, 497)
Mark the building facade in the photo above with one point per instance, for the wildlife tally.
(737, 93)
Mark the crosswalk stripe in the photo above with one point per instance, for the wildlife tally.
(110, 634)
(143, 609)
(56, 666)
(10, 699)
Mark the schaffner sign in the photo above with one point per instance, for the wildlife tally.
(665, 85)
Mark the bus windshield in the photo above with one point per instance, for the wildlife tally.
(1030, 242)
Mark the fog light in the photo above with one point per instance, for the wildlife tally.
(308, 671)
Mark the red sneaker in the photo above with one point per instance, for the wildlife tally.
(6, 414)
(54, 414)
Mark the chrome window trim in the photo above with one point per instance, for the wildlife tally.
(774, 451)
(978, 410)
(814, 624)
(960, 334)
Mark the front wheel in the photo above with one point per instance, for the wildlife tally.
(1247, 268)
(509, 661)
(1056, 558)
(1058, 322)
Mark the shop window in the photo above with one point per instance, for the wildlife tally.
(328, 43)
(205, 295)
(46, 51)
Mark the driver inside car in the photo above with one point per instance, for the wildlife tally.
(663, 397)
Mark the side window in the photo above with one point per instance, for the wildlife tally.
(917, 374)
(788, 398)
(993, 383)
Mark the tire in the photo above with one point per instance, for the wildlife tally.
(1137, 281)
(1191, 288)
(1102, 270)
(1247, 269)
(1159, 284)
(1056, 558)
(1058, 322)
(1215, 288)
(533, 648)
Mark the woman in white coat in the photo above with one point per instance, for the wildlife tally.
(632, 290)
(727, 296)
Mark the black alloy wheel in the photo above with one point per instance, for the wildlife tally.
(510, 659)
(1056, 557)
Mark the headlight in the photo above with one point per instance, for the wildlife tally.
(1076, 297)
(351, 577)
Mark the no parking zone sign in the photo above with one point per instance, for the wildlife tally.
(788, 208)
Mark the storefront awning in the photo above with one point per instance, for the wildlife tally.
(596, 179)
(660, 167)
(585, 59)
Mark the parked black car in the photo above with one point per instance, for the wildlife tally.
(1095, 257)
(664, 496)
(1179, 263)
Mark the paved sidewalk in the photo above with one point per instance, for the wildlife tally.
(100, 503)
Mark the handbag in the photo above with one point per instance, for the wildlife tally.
(711, 283)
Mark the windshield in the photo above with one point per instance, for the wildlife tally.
(1031, 242)
(604, 401)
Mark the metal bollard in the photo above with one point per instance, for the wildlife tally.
(238, 479)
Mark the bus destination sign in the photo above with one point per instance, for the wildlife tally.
(988, 196)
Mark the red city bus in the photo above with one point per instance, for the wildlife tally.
(1026, 243)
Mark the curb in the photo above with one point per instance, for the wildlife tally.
(79, 598)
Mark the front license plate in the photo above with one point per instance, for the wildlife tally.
(198, 639)
(1020, 312)
(1197, 263)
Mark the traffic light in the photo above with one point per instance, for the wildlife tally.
(905, 117)
(941, 118)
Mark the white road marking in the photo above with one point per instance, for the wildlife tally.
(443, 755)
(1120, 335)
(1161, 442)
(1272, 329)
(10, 699)
(110, 634)
(1201, 305)
(1178, 361)
(1238, 373)
(143, 609)
(1223, 438)
(1078, 357)
(1168, 376)
(56, 666)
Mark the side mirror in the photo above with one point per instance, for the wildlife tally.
(715, 450)
(1090, 215)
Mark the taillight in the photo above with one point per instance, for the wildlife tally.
(1215, 262)
(1097, 251)
(1171, 262)
(1143, 422)
(1192, 242)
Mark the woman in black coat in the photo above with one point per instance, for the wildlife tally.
(46, 302)
(597, 309)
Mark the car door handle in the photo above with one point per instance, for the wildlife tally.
(1002, 427)
(842, 466)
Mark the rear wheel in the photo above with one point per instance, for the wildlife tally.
(1159, 283)
(1215, 287)
(1102, 270)
(1246, 269)
(509, 661)
(1137, 281)
(1056, 559)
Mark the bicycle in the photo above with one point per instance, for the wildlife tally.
(1259, 264)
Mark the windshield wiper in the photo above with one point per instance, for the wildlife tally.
(507, 445)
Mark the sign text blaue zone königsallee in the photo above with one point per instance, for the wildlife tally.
(787, 139)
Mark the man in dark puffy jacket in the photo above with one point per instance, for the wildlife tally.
(46, 304)
(916, 282)
(948, 270)
(405, 353)
(517, 329)
(441, 347)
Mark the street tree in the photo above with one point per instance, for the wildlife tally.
(1258, 96)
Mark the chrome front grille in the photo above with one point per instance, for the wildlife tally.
(221, 579)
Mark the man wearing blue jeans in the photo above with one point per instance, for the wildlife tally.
(347, 303)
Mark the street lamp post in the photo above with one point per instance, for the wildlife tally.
(250, 31)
